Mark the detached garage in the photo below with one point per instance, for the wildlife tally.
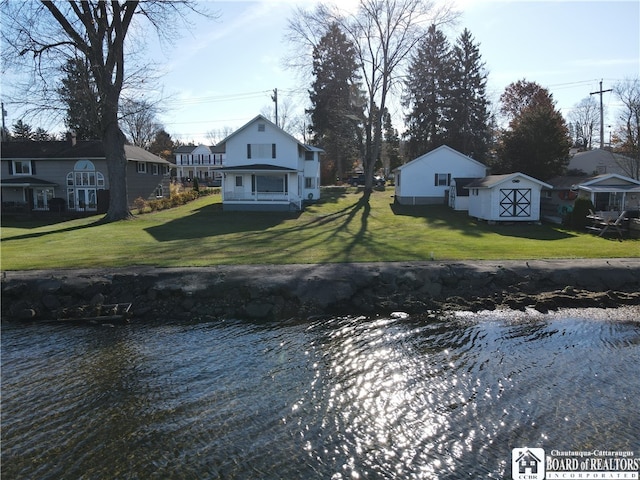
(506, 198)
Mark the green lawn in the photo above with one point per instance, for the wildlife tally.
(342, 227)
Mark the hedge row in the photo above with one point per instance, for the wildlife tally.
(175, 200)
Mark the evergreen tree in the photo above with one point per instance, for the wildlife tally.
(162, 144)
(334, 112)
(391, 146)
(41, 135)
(537, 142)
(468, 116)
(22, 132)
(428, 93)
(78, 92)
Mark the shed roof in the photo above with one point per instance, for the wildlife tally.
(461, 183)
(491, 181)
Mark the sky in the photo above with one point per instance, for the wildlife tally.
(222, 72)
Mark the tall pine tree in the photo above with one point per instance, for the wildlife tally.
(428, 90)
(335, 112)
(468, 118)
(78, 92)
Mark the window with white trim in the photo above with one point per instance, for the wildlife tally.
(442, 179)
(41, 197)
(269, 183)
(261, 150)
(309, 182)
(141, 167)
(22, 167)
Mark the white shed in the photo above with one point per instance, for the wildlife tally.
(506, 198)
(426, 180)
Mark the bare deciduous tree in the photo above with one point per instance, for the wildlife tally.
(100, 32)
(139, 121)
(585, 120)
(384, 33)
(628, 130)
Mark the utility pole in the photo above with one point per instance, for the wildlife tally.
(4, 129)
(274, 97)
(601, 114)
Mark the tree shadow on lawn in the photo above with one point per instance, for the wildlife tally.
(441, 216)
(293, 239)
(211, 221)
(25, 236)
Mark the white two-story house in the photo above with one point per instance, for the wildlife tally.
(265, 168)
(201, 162)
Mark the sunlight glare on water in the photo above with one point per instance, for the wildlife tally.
(344, 398)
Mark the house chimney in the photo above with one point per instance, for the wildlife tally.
(71, 138)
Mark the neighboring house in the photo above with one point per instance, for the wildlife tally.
(34, 173)
(268, 169)
(426, 180)
(610, 192)
(557, 202)
(506, 198)
(598, 162)
(201, 162)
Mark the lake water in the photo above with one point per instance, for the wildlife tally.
(343, 398)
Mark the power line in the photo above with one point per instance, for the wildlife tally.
(218, 98)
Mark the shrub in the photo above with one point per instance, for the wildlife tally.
(140, 204)
(577, 219)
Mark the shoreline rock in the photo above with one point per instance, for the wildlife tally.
(281, 292)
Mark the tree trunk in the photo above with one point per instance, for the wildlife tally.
(113, 142)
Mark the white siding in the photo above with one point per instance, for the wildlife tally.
(487, 204)
(286, 148)
(417, 178)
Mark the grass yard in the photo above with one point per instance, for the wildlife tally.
(342, 227)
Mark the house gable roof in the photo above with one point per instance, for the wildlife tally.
(609, 179)
(262, 118)
(64, 150)
(491, 181)
(435, 152)
(590, 160)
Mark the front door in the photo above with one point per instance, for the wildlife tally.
(239, 186)
(86, 198)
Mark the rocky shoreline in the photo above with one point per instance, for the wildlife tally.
(281, 292)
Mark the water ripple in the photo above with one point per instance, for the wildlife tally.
(399, 397)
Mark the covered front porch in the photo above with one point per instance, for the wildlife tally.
(261, 188)
(26, 194)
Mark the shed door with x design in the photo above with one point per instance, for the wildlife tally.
(515, 202)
